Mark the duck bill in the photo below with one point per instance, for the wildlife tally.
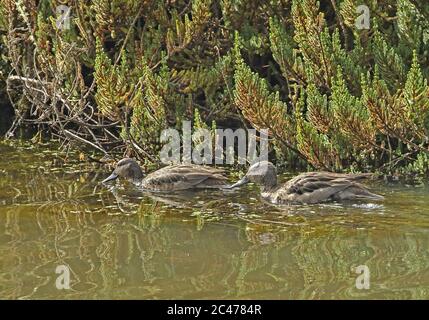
(113, 176)
(244, 180)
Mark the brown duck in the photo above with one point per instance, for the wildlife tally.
(170, 178)
(307, 188)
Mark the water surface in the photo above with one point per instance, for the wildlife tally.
(121, 243)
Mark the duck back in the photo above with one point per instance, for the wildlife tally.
(182, 177)
(317, 187)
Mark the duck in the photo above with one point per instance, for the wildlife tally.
(307, 188)
(171, 178)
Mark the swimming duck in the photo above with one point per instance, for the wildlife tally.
(170, 178)
(307, 188)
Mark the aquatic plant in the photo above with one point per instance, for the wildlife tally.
(354, 99)
(333, 95)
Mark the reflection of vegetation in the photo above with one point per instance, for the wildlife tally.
(333, 96)
(153, 255)
(136, 256)
(150, 249)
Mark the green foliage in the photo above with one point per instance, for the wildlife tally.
(149, 108)
(113, 86)
(262, 108)
(358, 99)
(332, 95)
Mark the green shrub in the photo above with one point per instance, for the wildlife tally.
(333, 96)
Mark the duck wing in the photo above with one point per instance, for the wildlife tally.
(315, 187)
(182, 177)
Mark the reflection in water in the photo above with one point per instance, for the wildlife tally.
(121, 243)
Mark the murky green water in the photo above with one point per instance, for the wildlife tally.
(121, 243)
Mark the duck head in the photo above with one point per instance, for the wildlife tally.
(263, 173)
(128, 169)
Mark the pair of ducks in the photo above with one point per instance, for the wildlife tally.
(306, 188)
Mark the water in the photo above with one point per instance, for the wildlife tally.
(121, 243)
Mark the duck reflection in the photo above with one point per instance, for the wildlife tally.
(149, 255)
(205, 248)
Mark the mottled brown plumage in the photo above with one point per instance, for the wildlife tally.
(170, 178)
(307, 188)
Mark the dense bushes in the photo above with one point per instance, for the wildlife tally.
(333, 96)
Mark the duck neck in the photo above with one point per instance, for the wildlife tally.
(269, 184)
(137, 176)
